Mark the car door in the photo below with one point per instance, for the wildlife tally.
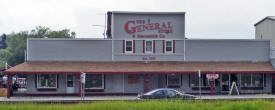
(172, 94)
(159, 94)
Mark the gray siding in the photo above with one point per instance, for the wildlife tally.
(101, 50)
(116, 84)
(201, 50)
(69, 50)
(227, 50)
(265, 30)
(139, 55)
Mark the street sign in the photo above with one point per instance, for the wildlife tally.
(83, 77)
(212, 76)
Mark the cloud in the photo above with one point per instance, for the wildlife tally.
(204, 18)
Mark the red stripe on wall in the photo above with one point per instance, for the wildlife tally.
(134, 46)
(154, 46)
(163, 46)
(123, 50)
(174, 46)
(143, 46)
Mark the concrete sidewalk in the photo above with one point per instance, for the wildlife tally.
(65, 98)
(103, 98)
(237, 97)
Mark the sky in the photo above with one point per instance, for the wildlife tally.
(207, 19)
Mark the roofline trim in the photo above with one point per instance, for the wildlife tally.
(147, 72)
(143, 12)
(252, 40)
(67, 39)
(268, 17)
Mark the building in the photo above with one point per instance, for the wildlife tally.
(145, 51)
(264, 29)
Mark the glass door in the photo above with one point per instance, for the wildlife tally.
(70, 83)
(225, 82)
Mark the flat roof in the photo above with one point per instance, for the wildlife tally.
(149, 39)
(143, 12)
(141, 67)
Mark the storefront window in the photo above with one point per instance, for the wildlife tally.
(94, 81)
(174, 80)
(252, 80)
(47, 80)
(129, 46)
(195, 80)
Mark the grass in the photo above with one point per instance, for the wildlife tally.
(146, 105)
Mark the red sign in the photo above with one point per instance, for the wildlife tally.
(138, 26)
(133, 79)
(212, 76)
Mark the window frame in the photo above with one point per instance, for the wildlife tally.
(178, 85)
(103, 82)
(38, 86)
(68, 80)
(125, 46)
(152, 46)
(202, 81)
(165, 46)
(251, 81)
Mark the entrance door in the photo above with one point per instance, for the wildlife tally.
(225, 82)
(234, 78)
(70, 83)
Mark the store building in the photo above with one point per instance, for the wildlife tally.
(144, 51)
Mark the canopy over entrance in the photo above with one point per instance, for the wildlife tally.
(141, 67)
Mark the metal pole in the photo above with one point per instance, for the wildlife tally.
(83, 91)
(200, 81)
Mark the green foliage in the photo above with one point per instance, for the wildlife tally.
(146, 105)
(16, 43)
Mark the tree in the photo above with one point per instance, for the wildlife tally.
(16, 43)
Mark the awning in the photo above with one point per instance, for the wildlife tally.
(141, 68)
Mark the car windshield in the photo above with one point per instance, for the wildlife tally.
(151, 92)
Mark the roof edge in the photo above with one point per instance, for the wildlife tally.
(143, 72)
(268, 17)
(144, 12)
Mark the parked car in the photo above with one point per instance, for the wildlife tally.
(165, 93)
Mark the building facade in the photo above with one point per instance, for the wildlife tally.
(264, 29)
(145, 51)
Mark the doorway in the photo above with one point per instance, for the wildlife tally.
(225, 82)
(70, 83)
(234, 78)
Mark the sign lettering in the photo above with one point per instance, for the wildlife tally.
(136, 27)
